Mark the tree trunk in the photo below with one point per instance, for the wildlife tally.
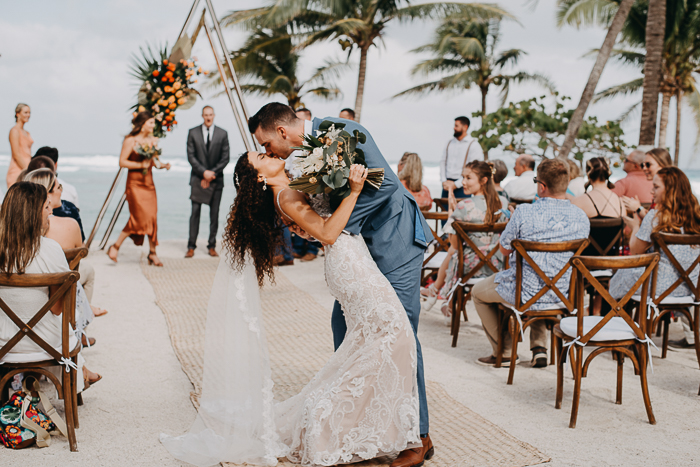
(663, 121)
(483, 110)
(577, 118)
(361, 83)
(655, 33)
(679, 107)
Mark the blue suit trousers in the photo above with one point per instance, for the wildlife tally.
(406, 283)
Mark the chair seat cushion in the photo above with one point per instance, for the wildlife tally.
(544, 306)
(616, 329)
(475, 280)
(36, 356)
(436, 261)
(684, 300)
(602, 273)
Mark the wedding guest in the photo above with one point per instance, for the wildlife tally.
(551, 219)
(140, 189)
(410, 170)
(20, 144)
(600, 202)
(577, 182)
(635, 183)
(301, 248)
(499, 176)
(523, 187)
(70, 194)
(24, 216)
(484, 206)
(347, 114)
(208, 153)
(676, 211)
(460, 150)
(654, 160)
(304, 113)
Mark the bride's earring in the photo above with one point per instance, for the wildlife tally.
(264, 183)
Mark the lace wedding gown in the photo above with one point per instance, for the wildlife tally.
(362, 404)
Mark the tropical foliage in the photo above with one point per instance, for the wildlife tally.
(355, 24)
(528, 127)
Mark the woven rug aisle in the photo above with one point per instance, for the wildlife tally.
(300, 342)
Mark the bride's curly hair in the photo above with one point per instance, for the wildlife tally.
(253, 226)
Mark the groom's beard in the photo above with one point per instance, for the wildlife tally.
(458, 134)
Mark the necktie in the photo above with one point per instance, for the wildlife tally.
(208, 138)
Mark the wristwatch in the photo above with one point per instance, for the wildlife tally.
(639, 210)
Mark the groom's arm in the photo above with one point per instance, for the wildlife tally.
(197, 167)
(225, 156)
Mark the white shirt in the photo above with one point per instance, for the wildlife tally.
(522, 187)
(209, 130)
(69, 192)
(452, 161)
(289, 162)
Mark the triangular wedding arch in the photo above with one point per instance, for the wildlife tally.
(182, 49)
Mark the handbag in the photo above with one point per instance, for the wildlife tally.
(23, 423)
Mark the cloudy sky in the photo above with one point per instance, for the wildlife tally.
(69, 61)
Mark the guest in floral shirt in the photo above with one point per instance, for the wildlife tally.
(483, 207)
(551, 219)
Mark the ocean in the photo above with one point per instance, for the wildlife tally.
(92, 175)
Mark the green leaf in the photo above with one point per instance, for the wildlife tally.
(361, 137)
(328, 180)
(339, 179)
(325, 125)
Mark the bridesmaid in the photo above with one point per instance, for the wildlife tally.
(20, 144)
(140, 190)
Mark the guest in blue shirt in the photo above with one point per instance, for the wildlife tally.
(551, 219)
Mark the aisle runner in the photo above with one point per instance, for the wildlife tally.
(300, 342)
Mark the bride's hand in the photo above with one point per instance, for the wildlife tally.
(358, 175)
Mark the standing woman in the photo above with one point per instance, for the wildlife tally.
(654, 160)
(20, 144)
(140, 190)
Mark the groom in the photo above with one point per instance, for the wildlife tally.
(389, 220)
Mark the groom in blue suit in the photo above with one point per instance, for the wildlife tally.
(394, 230)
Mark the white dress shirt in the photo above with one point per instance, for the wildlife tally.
(452, 161)
(69, 192)
(289, 163)
(207, 130)
(522, 187)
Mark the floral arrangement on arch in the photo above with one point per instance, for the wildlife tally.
(166, 86)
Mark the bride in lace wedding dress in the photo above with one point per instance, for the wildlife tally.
(362, 404)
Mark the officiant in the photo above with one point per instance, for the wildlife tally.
(208, 154)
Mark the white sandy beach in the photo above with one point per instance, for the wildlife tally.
(144, 391)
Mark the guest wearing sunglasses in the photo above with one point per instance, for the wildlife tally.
(654, 160)
(635, 184)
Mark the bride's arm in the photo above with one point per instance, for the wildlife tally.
(295, 205)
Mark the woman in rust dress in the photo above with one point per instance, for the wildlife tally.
(140, 190)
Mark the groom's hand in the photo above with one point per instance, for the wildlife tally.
(204, 184)
(299, 231)
(209, 175)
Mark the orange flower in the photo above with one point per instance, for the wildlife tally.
(168, 74)
(172, 67)
(156, 73)
(177, 85)
(164, 79)
(134, 114)
(168, 89)
(206, 72)
(173, 106)
(167, 111)
(171, 79)
(142, 108)
(165, 62)
(168, 118)
(169, 129)
(171, 99)
(182, 100)
(179, 93)
(174, 122)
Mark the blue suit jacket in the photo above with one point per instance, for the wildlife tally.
(389, 218)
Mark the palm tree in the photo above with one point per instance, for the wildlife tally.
(356, 24)
(269, 63)
(655, 30)
(577, 12)
(466, 49)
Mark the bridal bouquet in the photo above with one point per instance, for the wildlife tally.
(149, 151)
(167, 86)
(326, 159)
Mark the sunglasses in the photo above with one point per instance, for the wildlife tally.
(645, 165)
(538, 181)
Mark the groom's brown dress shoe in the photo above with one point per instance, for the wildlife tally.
(212, 252)
(190, 253)
(415, 457)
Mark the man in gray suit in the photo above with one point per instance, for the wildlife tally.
(208, 154)
(394, 230)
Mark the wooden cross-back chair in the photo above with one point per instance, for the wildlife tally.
(613, 224)
(664, 305)
(441, 204)
(466, 280)
(617, 332)
(432, 260)
(517, 318)
(515, 202)
(65, 357)
(74, 255)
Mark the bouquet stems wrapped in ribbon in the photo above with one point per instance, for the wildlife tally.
(326, 159)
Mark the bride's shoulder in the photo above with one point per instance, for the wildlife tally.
(289, 196)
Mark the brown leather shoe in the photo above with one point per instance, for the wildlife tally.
(190, 253)
(415, 457)
(212, 252)
(308, 257)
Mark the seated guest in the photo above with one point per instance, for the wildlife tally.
(577, 183)
(523, 187)
(499, 176)
(411, 175)
(677, 211)
(654, 160)
(484, 206)
(600, 202)
(635, 184)
(551, 219)
(66, 232)
(24, 216)
(70, 194)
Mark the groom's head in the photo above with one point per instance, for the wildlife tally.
(277, 129)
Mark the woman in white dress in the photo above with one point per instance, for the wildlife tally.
(363, 403)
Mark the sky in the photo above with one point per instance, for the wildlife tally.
(69, 61)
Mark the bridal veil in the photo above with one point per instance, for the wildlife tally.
(235, 422)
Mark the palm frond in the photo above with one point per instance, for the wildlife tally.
(439, 65)
(623, 89)
(629, 112)
(444, 9)
(509, 57)
(454, 83)
(141, 66)
(579, 13)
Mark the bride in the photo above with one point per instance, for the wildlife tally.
(362, 404)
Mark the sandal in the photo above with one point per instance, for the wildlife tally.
(109, 250)
(432, 296)
(88, 341)
(87, 382)
(99, 311)
(154, 262)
